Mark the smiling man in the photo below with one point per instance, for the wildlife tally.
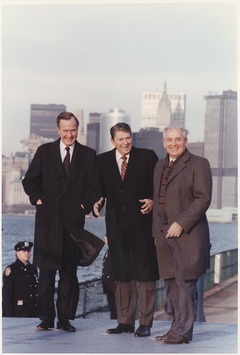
(182, 195)
(126, 175)
(60, 183)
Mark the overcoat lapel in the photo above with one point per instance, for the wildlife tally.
(179, 167)
(56, 156)
(113, 163)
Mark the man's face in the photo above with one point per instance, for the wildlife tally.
(68, 131)
(23, 255)
(174, 142)
(122, 142)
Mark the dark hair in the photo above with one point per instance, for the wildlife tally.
(66, 116)
(121, 126)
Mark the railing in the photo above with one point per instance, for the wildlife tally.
(222, 266)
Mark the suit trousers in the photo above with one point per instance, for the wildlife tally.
(180, 295)
(126, 294)
(68, 288)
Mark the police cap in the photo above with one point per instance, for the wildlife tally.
(23, 246)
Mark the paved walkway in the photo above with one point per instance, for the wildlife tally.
(218, 335)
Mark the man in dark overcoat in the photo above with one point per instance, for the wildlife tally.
(129, 228)
(20, 284)
(60, 182)
(182, 195)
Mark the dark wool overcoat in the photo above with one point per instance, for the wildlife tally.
(129, 232)
(62, 198)
(187, 198)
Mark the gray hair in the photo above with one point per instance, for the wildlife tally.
(184, 131)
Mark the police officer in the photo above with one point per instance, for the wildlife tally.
(20, 280)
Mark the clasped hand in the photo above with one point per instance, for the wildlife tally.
(174, 230)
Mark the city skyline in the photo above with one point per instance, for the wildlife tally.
(99, 56)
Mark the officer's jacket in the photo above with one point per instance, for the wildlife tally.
(19, 293)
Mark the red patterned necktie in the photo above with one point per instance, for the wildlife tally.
(123, 166)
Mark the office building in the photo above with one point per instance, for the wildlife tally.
(220, 147)
(93, 131)
(43, 120)
(151, 139)
(161, 109)
(108, 120)
(81, 134)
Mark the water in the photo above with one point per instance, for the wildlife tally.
(15, 228)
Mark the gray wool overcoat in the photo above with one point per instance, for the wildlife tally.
(187, 198)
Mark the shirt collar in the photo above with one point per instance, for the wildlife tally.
(119, 156)
(63, 146)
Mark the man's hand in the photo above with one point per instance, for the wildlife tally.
(174, 231)
(147, 205)
(98, 206)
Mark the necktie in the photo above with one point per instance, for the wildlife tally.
(123, 166)
(66, 161)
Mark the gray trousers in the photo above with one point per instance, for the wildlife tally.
(126, 295)
(180, 295)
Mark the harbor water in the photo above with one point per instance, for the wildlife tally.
(224, 236)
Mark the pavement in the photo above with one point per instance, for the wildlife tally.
(220, 303)
(218, 335)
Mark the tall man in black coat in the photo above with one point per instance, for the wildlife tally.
(182, 195)
(63, 195)
(128, 228)
(20, 283)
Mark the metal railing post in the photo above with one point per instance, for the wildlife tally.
(200, 296)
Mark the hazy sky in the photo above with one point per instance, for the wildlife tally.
(96, 56)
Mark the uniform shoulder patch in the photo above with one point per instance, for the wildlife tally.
(8, 271)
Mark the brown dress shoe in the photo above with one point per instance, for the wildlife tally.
(164, 336)
(175, 338)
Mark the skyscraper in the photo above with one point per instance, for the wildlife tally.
(220, 147)
(161, 109)
(43, 120)
(106, 122)
(151, 139)
(93, 131)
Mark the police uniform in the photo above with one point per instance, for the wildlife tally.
(20, 281)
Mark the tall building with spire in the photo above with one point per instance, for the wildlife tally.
(220, 147)
(161, 109)
(164, 110)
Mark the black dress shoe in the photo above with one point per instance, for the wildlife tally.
(164, 336)
(66, 326)
(143, 331)
(45, 325)
(175, 338)
(121, 328)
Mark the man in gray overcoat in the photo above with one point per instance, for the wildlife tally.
(182, 195)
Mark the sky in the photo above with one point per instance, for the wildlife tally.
(98, 55)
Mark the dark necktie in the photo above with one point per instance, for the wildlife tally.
(123, 166)
(66, 161)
